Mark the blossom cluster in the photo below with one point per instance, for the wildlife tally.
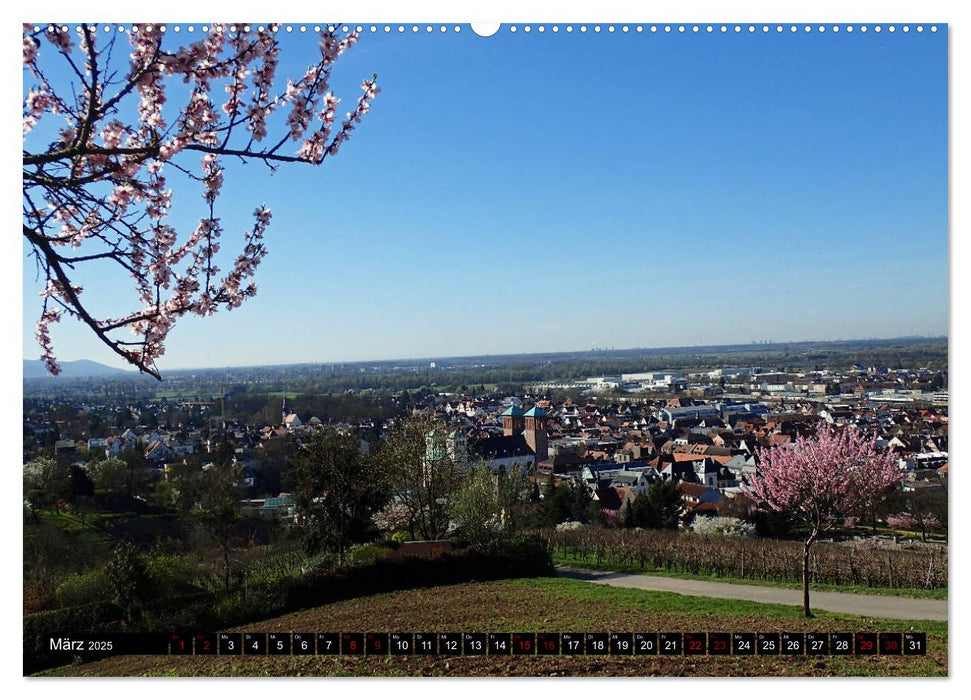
(823, 480)
(723, 527)
(38, 101)
(905, 520)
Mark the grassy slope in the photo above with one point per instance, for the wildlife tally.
(591, 563)
(86, 530)
(547, 604)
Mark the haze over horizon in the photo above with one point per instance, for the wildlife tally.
(432, 357)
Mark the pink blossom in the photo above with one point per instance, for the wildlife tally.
(56, 289)
(43, 336)
(913, 521)
(122, 196)
(38, 101)
(112, 134)
(821, 481)
(262, 215)
(67, 135)
(147, 73)
(83, 43)
(59, 37)
(825, 479)
(169, 149)
(158, 202)
(370, 88)
(30, 47)
(312, 149)
(199, 114)
(213, 176)
(204, 306)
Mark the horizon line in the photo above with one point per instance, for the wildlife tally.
(517, 354)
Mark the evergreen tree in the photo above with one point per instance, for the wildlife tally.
(570, 502)
(662, 505)
(81, 484)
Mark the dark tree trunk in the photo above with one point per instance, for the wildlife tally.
(805, 574)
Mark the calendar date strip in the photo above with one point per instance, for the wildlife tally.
(244, 644)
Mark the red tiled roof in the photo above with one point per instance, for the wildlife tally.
(690, 489)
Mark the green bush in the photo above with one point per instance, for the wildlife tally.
(128, 580)
(368, 553)
(83, 589)
(323, 561)
(171, 576)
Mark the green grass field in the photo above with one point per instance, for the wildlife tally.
(87, 530)
(550, 605)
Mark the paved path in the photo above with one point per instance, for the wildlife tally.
(891, 607)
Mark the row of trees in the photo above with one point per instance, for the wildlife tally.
(208, 501)
(409, 483)
(729, 551)
(52, 484)
(660, 507)
(345, 493)
(818, 483)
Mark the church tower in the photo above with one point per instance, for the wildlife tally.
(458, 447)
(513, 422)
(535, 432)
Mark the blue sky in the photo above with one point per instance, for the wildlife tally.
(543, 192)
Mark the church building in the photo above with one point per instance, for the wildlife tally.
(523, 443)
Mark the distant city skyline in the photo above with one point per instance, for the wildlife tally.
(505, 196)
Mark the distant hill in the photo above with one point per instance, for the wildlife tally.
(35, 369)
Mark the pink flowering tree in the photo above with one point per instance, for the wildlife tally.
(392, 518)
(821, 481)
(916, 519)
(107, 126)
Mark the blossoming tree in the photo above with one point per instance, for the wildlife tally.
(103, 136)
(821, 481)
(916, 519)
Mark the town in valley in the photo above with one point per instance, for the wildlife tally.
(617, 433)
